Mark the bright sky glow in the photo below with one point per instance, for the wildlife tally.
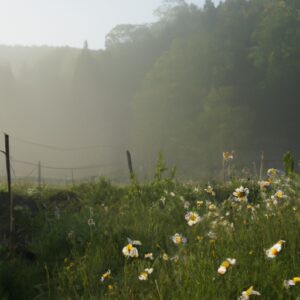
(70, 22)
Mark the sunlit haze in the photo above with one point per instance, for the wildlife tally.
(70, 22)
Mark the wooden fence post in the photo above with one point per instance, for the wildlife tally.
(129, 161)
(40, 174)
(11, 211)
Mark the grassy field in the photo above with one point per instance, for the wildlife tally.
(101, 241)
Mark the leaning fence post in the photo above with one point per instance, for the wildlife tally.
(11, 216)
(129, 161)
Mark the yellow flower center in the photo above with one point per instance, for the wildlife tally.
(129, 247)
(241, 194)
(273, 171)
(249, 291)
(226, 264)
(178, 239)
(279, 194)
(193, 217)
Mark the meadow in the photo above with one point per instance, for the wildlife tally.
(161, 239)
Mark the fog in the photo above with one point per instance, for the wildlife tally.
(190, 82)
(70, 22)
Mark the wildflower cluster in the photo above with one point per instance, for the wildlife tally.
(205, 223)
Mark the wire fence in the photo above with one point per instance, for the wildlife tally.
(38, 163)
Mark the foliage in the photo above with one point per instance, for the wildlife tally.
(196, 82)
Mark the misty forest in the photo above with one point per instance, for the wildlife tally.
(178, 93)
(191, 85)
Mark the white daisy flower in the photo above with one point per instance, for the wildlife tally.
(144, 275)
(241, 194)
(225, 265)
(288, 283)
(192, 218)
(149, 256)
(273, 172)
(210, 190)
(246, 294)
(105, 276)
(178, 239)
(130, 251)
(279, 195)
(275, 249)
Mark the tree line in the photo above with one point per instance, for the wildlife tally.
(194, 83)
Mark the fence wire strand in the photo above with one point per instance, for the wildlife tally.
(56, 148)
(65, 173)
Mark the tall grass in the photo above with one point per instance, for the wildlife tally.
(72, 255)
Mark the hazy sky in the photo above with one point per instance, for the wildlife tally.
(70, 22)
